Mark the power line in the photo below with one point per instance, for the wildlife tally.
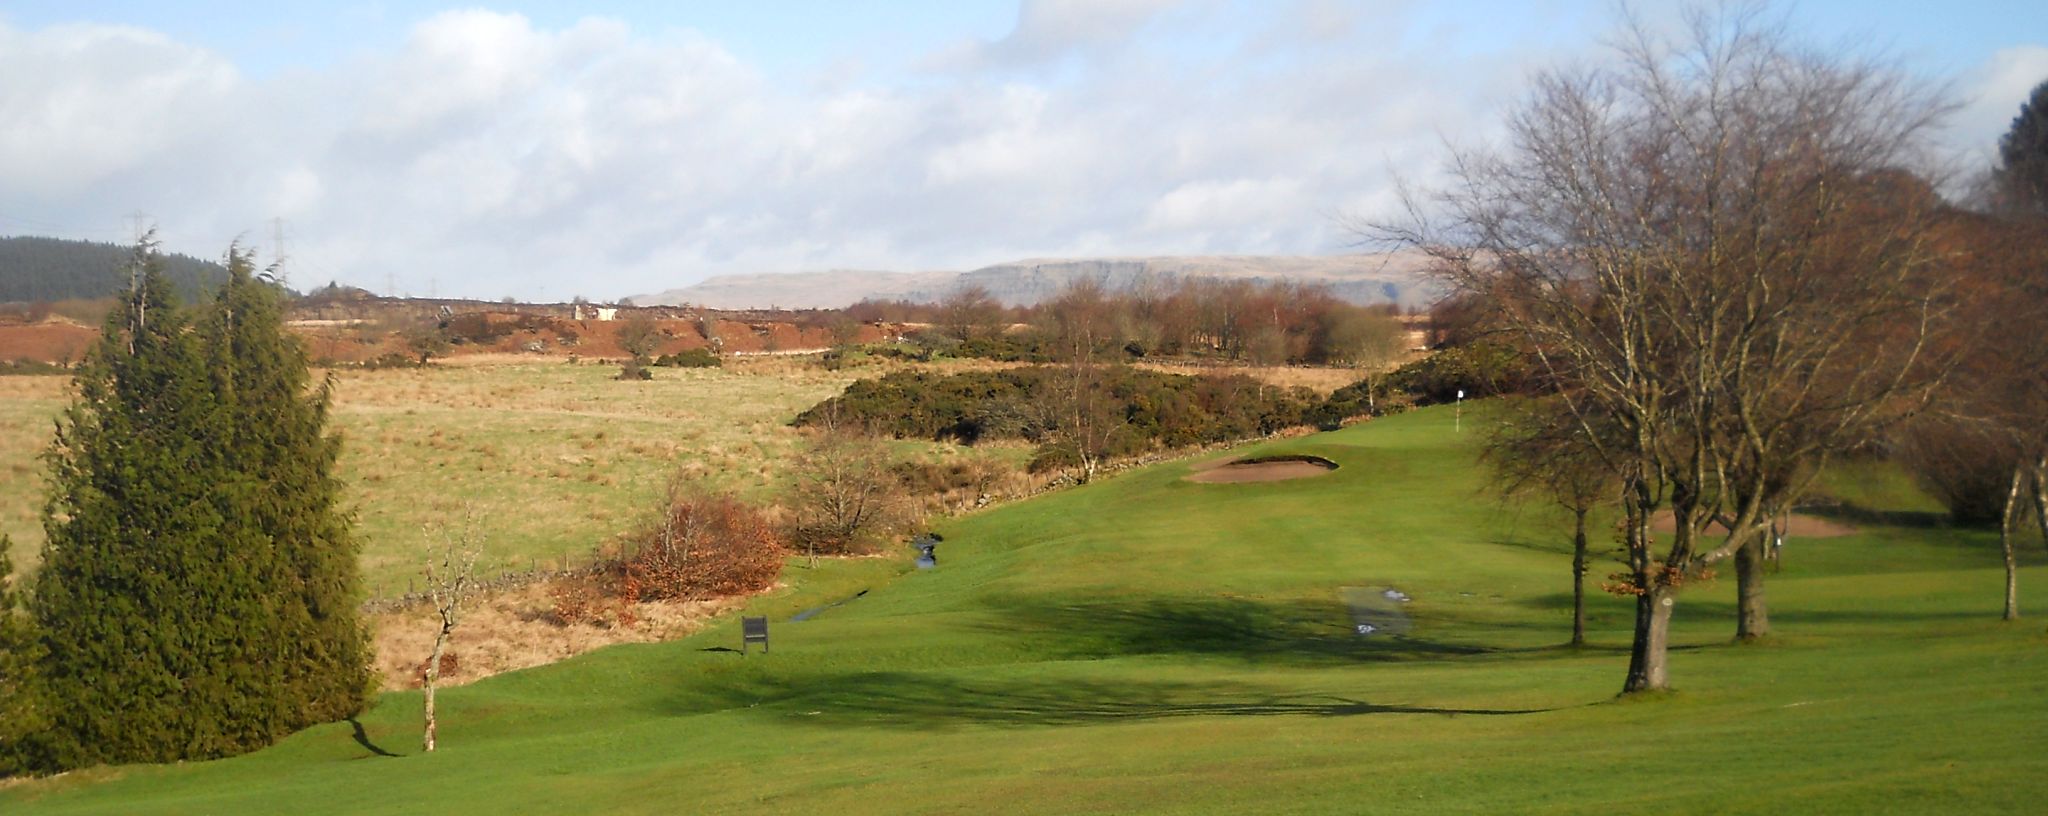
(277, 247)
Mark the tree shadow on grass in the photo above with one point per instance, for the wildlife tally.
(924, 702)
(1295, 632)
(1782, 614)
(363, 738)
(1863, 516)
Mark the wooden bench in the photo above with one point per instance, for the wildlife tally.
(754, 630)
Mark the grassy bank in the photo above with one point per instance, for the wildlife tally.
(1150, 644)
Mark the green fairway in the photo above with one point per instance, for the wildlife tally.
(1146, 644)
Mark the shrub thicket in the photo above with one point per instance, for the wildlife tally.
(705, 546)
(699, 547)
(24, 366)
(689, 358)
(847, 498)
(1153, 410)
(1480, 369)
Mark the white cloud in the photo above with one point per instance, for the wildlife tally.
(486, 155)
(1207, 205)
(82, 104)
(1993, 94)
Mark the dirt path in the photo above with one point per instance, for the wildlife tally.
(1800, 526)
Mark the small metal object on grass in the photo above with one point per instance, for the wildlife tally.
(1376, 610)
(753, 630)
(925, 545)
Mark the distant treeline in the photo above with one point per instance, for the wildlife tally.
(1263, 323)
(41, 270)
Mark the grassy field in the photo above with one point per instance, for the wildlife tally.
(28, 406)
(1146, 644)
(555, 459)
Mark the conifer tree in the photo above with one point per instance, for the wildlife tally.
(23, 719)
(198, 589)
(140, 601)
(282, 498)
(2021, 176)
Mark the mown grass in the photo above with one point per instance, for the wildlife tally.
(1145, 644)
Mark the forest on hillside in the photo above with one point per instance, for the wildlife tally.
(37, 270)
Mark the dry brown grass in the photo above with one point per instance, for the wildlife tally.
(556, 458)
(513, 630)
(28, 405)
(1320, 379)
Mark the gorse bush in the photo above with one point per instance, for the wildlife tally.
(1480, 369)
(689, 358)
(1150, 410)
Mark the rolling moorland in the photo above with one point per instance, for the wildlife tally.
(555, 463)
(1149, 643)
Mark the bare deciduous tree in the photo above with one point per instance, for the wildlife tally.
(1986, 454)
(450, 578)
(640, 335)
(970, 312)
(1077, 407)
(1713, 250)
(1537, 452)
(845, 493)
(1367, 340)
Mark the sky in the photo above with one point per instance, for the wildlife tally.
(606, 149)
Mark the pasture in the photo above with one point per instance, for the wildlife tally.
(1151, 644)
(554, 459)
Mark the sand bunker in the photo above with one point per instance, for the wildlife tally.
(1263, 469)
(1800, 526)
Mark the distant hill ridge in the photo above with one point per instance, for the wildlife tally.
(34, 269)
(1363, 279)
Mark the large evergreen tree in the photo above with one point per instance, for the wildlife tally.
(284, 497)
(23, 718)
(2021, 178)
(131, 594)
(196, 593)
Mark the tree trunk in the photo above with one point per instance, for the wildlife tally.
(433, 675)
(1647, 669)
(2005, 544)
(2041, 496)
(1752, 617)
(1579, 579)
